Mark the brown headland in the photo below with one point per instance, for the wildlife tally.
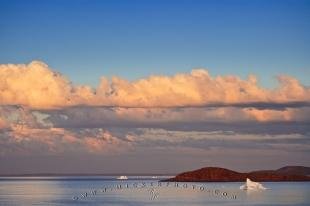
(217, 174)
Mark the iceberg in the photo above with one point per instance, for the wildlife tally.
(250, 185)
(122, 178)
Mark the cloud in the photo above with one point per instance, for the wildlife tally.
(3, 123)
(241, 120)
(41, 112)
(23, 140)
(159, 121)
(200, 89)
(33, 85)
(220, 140)
(37, 86)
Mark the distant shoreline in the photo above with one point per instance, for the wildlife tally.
(218, 174)
(80, 174)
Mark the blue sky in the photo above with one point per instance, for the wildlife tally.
(87, 39)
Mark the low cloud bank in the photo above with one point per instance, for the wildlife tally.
(37, 86)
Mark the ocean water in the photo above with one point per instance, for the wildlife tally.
(144, 190)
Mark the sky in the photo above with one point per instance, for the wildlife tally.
(153, 86)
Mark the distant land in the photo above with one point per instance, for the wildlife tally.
(217, 174)
(83, 174)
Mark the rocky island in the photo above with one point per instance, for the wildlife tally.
(217, 174)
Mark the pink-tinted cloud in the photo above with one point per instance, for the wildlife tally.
(181, 116)
(35, 85)
(21, 139)
(3, 123)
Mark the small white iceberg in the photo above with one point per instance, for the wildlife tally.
(250, 185)
(122, 178)
(154, 177)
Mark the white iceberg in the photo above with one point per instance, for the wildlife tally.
(122, 178)
(250, 185)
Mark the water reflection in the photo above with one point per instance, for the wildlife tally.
(29, 192)
(38, 191)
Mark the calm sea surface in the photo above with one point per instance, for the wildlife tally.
(143, 190)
